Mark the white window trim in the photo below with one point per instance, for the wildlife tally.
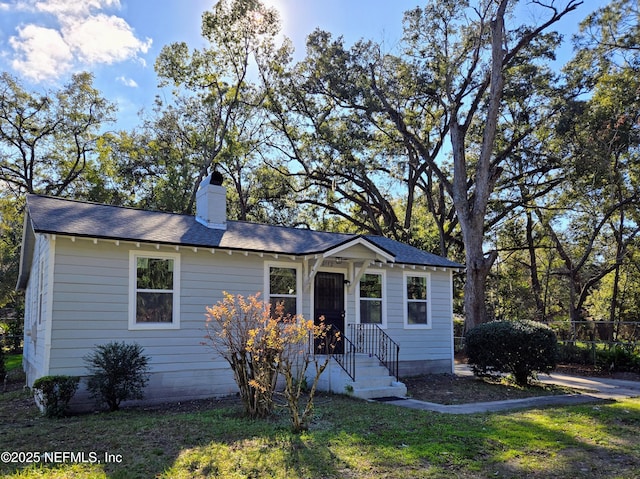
(267, 283)
(382, 273)
(405, 301)
(133, 282)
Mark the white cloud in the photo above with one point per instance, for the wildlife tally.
(84, 37)
(17, 6)
(102, 39)
(41, 53)
(75, 8)
(130, 82)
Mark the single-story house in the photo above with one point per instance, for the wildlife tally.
(85, 270)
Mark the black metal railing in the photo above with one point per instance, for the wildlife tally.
(345, 356)
(339, 347)
(372, 340)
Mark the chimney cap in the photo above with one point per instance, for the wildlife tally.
(216, 178)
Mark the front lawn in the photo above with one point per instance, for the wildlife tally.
(348, 438)
(13, 361)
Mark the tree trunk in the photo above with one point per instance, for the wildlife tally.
(478, 267)
(474, 297)
(472, 205)
(536, 287)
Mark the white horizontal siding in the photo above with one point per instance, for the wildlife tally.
(37, 311)
(420, 344)
(90, 307)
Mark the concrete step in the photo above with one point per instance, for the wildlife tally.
(366, 371)
(366, 360)
(373, 380)
(365, 382)
(395, 390)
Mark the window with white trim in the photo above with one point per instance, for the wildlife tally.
(417, 307)
(154, 290)
(282, 286)
(371, 302)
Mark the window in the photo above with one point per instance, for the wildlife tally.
(154, 301)
(417, 306)
(371, 304)
(283, 288)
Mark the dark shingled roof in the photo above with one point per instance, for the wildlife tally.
(83, 219)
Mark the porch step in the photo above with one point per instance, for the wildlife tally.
(373, 380)
(397, 390)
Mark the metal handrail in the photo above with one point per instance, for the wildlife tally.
(347, 359)
(371, 339)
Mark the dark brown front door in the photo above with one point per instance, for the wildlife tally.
(329, 302)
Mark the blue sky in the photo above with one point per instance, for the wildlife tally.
(43, 42)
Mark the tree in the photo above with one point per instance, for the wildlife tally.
(46, 141)
(593, 220)
(359, 123)
(216, 111)
(472, 61)
(10, 239)
(611, 35)
(350, 163)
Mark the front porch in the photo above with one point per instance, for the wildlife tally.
(365, 366)
(372, 381)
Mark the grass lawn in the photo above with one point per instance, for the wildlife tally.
(13, 361)
(348, 439)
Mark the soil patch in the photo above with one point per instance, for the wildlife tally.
(448, 389)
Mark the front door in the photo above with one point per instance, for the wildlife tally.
(329, 302)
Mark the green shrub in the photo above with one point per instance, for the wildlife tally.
(521, 348)
(618, 358)
(54, 393)
(117, 372)
(576, 353)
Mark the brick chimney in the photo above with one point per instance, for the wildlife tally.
(211, 202)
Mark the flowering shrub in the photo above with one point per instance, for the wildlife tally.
(295, 362)
(258, 344)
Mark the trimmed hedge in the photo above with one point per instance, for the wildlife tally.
(54, 393)
(521, 348)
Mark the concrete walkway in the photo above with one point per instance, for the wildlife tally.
(595, 390)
